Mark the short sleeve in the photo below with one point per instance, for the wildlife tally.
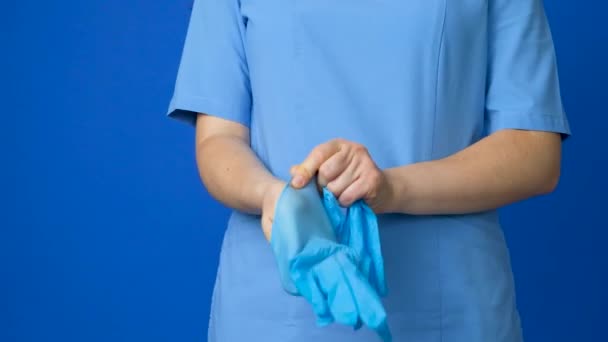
(522, 86)
(213, 76)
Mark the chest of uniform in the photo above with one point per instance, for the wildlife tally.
(363, 20)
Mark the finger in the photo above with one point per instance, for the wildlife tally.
(356, 190)
(344, 180)
(332, 167)
(296, 180)
(267, 226)
(312, 163)
(267, 231)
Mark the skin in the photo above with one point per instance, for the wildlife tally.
(231, 171)
(505, 167)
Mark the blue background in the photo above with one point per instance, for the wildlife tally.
(108, 235)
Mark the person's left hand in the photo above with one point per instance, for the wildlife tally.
(347, 170)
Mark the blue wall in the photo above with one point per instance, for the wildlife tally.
(107, 235)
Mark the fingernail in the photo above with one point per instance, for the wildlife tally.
(298, 181)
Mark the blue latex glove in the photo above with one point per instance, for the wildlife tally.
(313, 264)
(358, 229)
(326, 274)
(298, 218)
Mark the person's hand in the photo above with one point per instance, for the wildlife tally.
(348, 171)
(271, 196)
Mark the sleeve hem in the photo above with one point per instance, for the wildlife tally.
(186, 109)
(496, 121)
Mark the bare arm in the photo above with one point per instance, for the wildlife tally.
(505, 167)
(228, 167)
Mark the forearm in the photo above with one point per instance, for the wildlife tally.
(500, 169)
(232, 173)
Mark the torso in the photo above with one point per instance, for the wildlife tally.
(407, 80)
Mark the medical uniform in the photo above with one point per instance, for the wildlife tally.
(412, 80)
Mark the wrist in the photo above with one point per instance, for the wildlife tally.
(271, 186)
(399, 189)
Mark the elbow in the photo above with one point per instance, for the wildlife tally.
(548, 161)
(549, 181)
(549, 186)
(204, 151)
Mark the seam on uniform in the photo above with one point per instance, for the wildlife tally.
(439, 52)
(439, 284)
(438, 229)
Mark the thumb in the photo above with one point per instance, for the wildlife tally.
(303, 172)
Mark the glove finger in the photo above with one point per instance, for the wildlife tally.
(370, 308)
(366, 269)
(384, 332)
(354, 223)
(302, 271)
(321, 308)
(308, 287)
(336, 216)
(371, 236)
(358, 325)
(339, 296)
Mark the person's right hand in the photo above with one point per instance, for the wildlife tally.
(271, 196)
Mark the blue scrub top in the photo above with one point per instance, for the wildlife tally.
(412, 81)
